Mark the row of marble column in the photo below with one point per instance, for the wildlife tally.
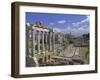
(47, 42)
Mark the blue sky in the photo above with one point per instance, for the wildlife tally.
(66, 23)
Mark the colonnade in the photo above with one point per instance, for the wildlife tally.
(40, 40)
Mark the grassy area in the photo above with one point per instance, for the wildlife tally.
(85, 53)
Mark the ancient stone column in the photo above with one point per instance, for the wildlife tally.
(38, 41)
(53, 42)
(46, 47)
(46, 33)
(33, 42)
(50, 41)
(30, 42)
(43, 47)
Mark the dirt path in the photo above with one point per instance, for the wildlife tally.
(70, 51)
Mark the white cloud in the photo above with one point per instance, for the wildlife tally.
(57, 29)
(86, 20)
(77, 28)
(81, 23)
(62, 21)
(51, 23)
(81, 27)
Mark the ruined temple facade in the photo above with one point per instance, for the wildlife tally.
(40, 42)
